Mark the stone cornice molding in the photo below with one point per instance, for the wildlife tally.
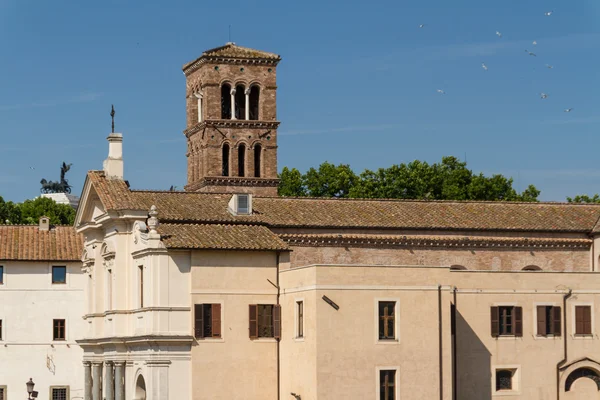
(231, 123)
(194, 66)
(167, 339)
(232, 181)
(135, 311)
(453, 242)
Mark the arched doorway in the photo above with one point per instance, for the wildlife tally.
(582, 384)
(140, 388)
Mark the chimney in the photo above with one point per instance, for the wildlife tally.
(113, 165)
(44, 223)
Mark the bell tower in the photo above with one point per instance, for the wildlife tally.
(232, 121)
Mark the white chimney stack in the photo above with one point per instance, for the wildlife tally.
(113, 165)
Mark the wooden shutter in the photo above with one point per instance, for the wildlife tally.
(518, 321)
(541, 321)
(556, 321)
(198, 321)
(579, 320)
(253, 321)
(587, 320)
(277, 321)
(495, 321)
(216, 320)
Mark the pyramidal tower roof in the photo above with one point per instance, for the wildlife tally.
(234, 54)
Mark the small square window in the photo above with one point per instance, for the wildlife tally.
(504, 379)
(59, 275)
(59, 393)
(387, 384)
(58, 329)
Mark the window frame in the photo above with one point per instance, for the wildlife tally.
(220, 338)
(514, 321)
(52, 274)
(1, 275)
(515, 382)
(4, 388)
(574, 320)
(552, 335)
(276, 324)
(297, 336)
(1, 332)
(396, 338)
(378, 371)
(52, 388)
(64, 328)
(140, 284)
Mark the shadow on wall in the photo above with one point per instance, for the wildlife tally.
(473, 363)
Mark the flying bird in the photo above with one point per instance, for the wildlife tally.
(484, 66)
(440, 91)
(530, 53)
(543, 96)
(534, 43)
(31, 167)
(549, 66)
(498, 34)
(568, 109)
(548, 13)
(421, 26)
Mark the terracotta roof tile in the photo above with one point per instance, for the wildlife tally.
(220, 237)
(233, 51)
(28, 243)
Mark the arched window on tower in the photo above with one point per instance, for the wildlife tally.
(225, 160)
(240, 102)
(242, 160)
(532, 268)
(257, 155)
(226, 101)
(254, 95)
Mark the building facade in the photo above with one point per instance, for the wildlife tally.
(41, 295)
(226, 291)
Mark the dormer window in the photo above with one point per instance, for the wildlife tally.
(241, 204)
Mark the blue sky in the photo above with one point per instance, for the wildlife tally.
(357, 85)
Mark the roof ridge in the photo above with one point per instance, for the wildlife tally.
(387, 199)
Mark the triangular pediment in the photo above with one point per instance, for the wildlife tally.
(235, 53)
(90, 205)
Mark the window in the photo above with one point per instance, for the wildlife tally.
(257, 151)
(2, 392)
(225, 160)
(1, 282)
(504, 379)
(0, 338)
(58, 329)
(109, 289)
(300, 319)
(532, 268)
(265, 321)
(507, 321)
(141, 282)
(457, 268)
(387, 384)
(240, 102)
(254, 94)
(582, 373)
(242, 160)
(59, 275)
(59, 393)
(226, 101)
(207, 321)
(387, 320)
(548, 321)
(583, 320)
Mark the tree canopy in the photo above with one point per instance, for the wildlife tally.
(584, 198)
(448, 180)
(30, 211)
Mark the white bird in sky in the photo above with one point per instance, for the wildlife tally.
(421, 26)
(498, 34)
(568, 109)
(549, 66)
(548, 13)
(534, 43)
(543, 96)
(440, 91)
(530, 53)
(484, 66)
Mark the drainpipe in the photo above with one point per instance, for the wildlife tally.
(564, 360)
(440, 341)
(454, 353)
(278, 340)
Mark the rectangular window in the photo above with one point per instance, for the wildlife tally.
(59, 275)
(300, 320)
(265, 321)
(548, 321)
(58, 329)
(504, 379)
(2, 392)
(59, 393)
(109, 289)
(583, 320)
(207, 321)
(141, 284)
(387, 384)
(507, 321)
(387, 320)
(1, 282)
(0, 337)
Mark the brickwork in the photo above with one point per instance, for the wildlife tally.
(207, 136)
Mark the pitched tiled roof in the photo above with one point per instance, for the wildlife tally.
(28, 243)
(282, 212)
(233, 51)
(220, 237)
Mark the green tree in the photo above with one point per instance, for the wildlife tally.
(10, 213)
(59, 214)
(329, 180)
(290, 183)
(584, 198)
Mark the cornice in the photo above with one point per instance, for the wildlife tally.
(454, 242)
(195, 65)
(232, 181)
(230, 123)
(168, 339)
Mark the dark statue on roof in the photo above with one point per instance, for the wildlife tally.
(57, 187)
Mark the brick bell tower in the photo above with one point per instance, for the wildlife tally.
(232, 121)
